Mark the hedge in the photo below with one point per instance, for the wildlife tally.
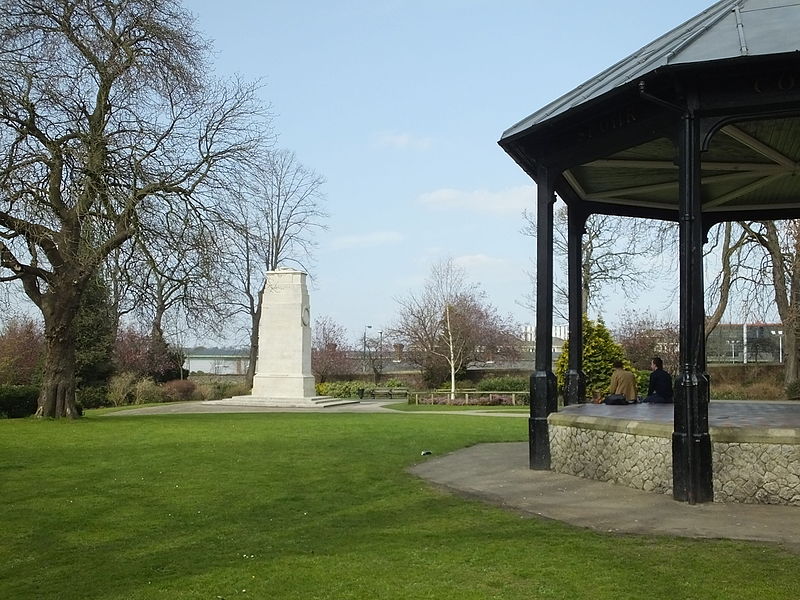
(18, 401)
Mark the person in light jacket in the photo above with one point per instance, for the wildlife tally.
(623, 382)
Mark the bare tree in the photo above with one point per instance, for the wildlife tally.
(644, 335)
(271, 222)
(175, 272)
(106, 114)
(328, 349)
(775, 271)
(611, 249)
(450, 321)
(21, 348)
(374, 355)
(728, 242)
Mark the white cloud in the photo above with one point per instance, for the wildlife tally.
(511, 201)
(402, 141)
(367, 240)
(489, 269)
(480, 262)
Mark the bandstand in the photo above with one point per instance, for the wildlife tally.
(700, 127)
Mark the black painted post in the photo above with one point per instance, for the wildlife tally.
(575, 392)
(543, 381)
(691, 444)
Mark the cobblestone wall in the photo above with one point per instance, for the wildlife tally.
(637, 460)
(750, 465)
(756, 473)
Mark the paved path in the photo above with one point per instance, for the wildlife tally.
(364, 406)
(180, 408)
(499, 474)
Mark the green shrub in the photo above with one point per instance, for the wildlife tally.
(393, 383)
(793, 390)
(506, 383)
(643, 382)
(92, 397)
(599, 353)
(18, 401)
(345, 389)
(147, 391)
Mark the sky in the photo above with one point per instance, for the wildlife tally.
(399, 105)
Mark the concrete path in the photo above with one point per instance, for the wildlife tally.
(180, 408)
(499, 474)
(364, 406)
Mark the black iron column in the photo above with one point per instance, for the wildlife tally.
(691, 444)
(575, 392)
(543, 381)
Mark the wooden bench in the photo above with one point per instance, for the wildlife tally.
(389, 393)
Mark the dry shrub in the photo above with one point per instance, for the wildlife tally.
(180, 389)
(147, 391)
(216, 390)
(763, 391)
(121, 389)
(754, 391)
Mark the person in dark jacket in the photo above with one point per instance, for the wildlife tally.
(660, 388)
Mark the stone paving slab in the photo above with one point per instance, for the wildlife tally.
(720, 413)
(499, 474)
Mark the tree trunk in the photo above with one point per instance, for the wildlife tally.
(791, 360)
(255, 323)
(451, 359)
(57, 396)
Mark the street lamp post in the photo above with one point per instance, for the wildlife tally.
(364, 349)
(380, 355)
(733, 349)
(779, 333)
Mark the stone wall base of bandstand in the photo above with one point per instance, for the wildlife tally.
(750, 465)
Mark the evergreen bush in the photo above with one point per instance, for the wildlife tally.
(506, 383)
(92, 397)
(18, 401)
(599, 353)
(345, 389)
(643, 382)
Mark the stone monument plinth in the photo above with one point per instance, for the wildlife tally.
(283, 375)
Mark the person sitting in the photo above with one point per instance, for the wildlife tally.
(660, 389)
(622, 389)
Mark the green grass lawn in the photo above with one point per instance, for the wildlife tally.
(312, 506)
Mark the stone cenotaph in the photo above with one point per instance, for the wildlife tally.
(283, 375)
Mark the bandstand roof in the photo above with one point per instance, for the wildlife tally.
(737, 65)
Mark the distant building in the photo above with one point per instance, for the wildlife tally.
(745, 343)
(216, 361)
